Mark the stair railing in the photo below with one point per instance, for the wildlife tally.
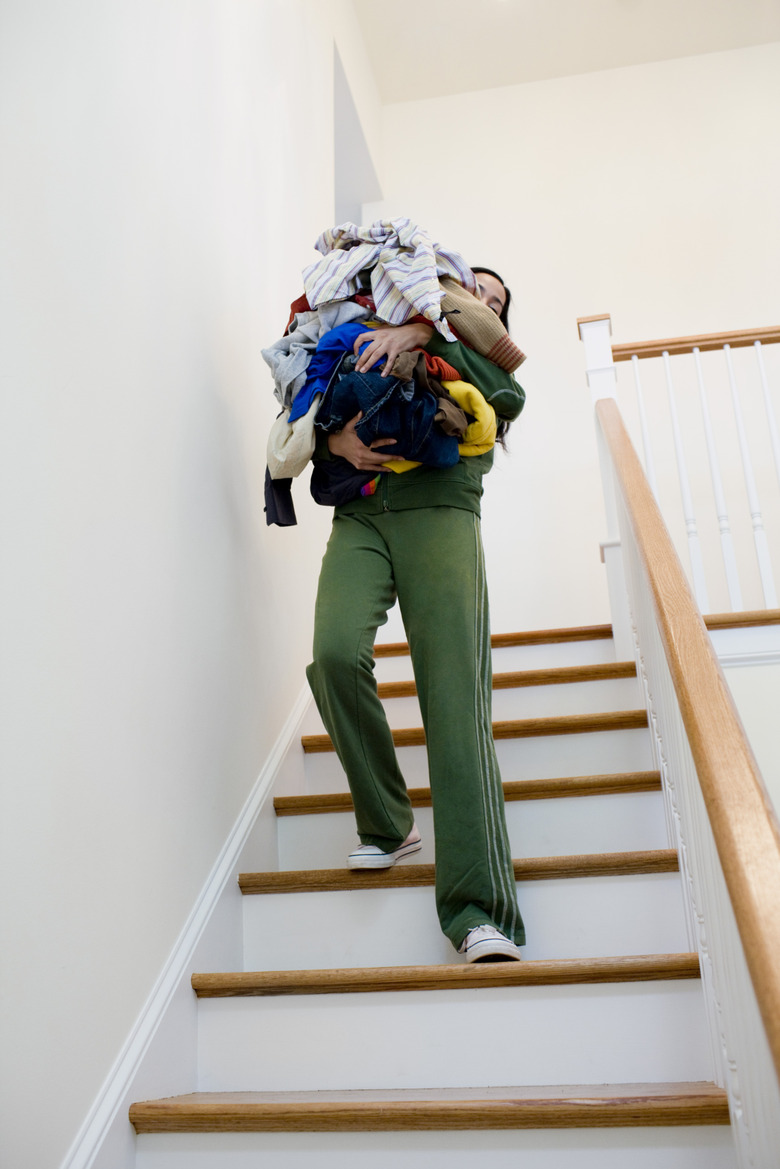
(727, 834)
(703, 403)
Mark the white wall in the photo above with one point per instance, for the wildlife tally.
(166, 167)
(649, 192)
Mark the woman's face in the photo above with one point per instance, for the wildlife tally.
(491, 292)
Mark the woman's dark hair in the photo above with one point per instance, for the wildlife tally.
(503, 427)
(503, 316)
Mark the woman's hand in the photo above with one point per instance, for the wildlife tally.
(387, 342)
(347, 444)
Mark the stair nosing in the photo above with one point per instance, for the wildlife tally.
(557, 787)
(566, 724)
(532, 1106)
(404, 875)
(519, 679)
(508, 640)
(461, 976)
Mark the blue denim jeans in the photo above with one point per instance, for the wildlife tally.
(391, 409)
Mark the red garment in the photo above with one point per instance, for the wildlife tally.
(440, 369)
(301, 305)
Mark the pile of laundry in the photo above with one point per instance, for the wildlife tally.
(390, 272)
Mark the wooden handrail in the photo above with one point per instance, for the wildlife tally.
(705, 341)
(743, 822)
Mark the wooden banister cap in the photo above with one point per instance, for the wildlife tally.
(590, 320)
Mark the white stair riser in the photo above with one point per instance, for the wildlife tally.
(617, 1033)
(624, 822)
(520, 702)
(581, 1148)
(576, 917)
(538, 757)
(516, 657)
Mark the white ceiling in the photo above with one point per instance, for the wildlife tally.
(431, 48)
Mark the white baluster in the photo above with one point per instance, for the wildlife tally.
(694, 546)
(759, 535)
(649, 465)
(727, 544)
(770, 413)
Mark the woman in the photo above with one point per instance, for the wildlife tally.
(417, 538)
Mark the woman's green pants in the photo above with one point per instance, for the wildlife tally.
(432, 560)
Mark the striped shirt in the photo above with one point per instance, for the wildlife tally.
(405, 268)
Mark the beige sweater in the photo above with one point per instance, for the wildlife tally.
(478, 326)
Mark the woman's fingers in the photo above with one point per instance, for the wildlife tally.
(386, 343)
(348, 445)
(375, 351)
(361, 340)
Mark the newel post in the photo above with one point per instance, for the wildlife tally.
(595, 333)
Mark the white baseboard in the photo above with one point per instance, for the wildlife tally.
(106, 1137)
(749, 659)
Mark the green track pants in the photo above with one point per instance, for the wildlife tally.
(432, 559)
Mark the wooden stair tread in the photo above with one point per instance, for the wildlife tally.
(743, 620)
(545, 1106)
(520, 728)
(554, 676)
(404, 875)
(557, 787)
(461, 976)
(740, 620)
(506, 640)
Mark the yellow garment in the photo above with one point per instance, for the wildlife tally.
(480, 434)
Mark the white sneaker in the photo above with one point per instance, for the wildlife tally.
(370, 856)
(487, 944)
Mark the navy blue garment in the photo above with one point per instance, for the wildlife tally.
(337, 481)
(331, 347)
(391, 409)
(279, 507)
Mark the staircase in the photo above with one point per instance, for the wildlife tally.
(354, 1034)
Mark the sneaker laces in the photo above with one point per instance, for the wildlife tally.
(480, 933)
